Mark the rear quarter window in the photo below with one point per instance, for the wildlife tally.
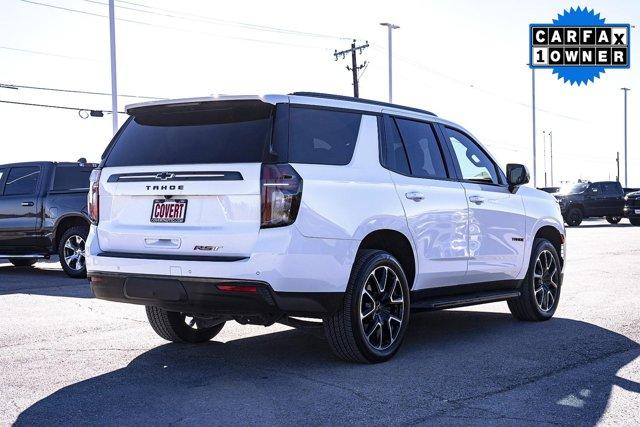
(69, 178)
(320, 136)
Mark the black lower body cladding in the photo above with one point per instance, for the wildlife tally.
(224, 297)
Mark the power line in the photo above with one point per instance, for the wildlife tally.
(60, 107)
(168, 27)
(170, 13)
(37, 52)
(86, 92)
(473, 86)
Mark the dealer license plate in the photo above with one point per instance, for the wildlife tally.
(169, 210)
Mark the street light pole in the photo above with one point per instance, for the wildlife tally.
(114, 85)
(625, 89)
(544, 156)
(390, 28)
(551, 152)
(533, 111)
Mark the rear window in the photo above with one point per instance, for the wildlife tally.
(217, 132)
(324, 137)
(69, 178)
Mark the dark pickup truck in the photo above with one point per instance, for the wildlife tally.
(43, 212)
(632, 207)
(592, 199)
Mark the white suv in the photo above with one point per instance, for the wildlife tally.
(276, 208)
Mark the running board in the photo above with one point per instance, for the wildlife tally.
(440, 303)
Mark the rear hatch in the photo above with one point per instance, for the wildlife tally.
(184, 180)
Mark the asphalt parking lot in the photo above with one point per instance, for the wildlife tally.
(66, 358)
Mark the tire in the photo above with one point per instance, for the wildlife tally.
(574, 217)
(634, 221)
(345, 330)
(529, 306)
(613, 219)
(173, 326)
(23, 262)
(71, 250)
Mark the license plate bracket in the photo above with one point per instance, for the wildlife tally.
(169, 211)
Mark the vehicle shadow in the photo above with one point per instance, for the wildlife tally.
(605, 225)
(50, 281)
(454, 367)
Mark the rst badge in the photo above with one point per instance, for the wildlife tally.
(578, 46)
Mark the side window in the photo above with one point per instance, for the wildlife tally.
(2, 171)
(22, 181)
(595, 189)
(71, 178)
(474, 164)
(425, 157)
(324, 137)
(611, 189)
(395, 154)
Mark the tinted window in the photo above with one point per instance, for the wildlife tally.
(395, 154)
(595, 189)
(322, 136)
(22, 180)
(474, 164)
(1, 173)
(71, 178)
(611, 189)
(422, 147)
(220, 132)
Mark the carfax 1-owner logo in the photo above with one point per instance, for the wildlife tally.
(578, 46)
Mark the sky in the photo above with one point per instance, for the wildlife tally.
(464, 60)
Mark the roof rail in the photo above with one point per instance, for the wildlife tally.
(362, 100)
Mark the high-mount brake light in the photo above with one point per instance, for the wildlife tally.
(93, 198)
(280, 193)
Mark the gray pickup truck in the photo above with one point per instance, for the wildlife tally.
(43, 212)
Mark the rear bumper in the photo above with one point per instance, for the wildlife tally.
(247, 299)
(288, 261)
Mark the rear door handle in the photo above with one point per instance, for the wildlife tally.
(27, 203)
(416, 196)
(476, 199)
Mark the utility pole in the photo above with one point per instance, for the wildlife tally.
(626, 184)
(390, 28)
(544, 155)
(354, 68)
(114, 85)
(533, 111)
(618, 166)
(551, 152)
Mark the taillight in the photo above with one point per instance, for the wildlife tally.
(281, 192)
(93, 198)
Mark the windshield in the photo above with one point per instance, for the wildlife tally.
(215, 132)
(575, 188)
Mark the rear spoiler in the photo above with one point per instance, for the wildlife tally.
(187, 102)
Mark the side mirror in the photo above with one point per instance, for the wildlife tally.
(517, 175)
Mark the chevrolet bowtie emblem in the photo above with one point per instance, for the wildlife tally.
(163, 176)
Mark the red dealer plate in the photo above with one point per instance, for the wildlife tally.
(169, 210)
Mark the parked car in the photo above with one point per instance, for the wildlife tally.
(43, 211)
(268, 209)
(550, 190)
(632, 207)
(592, 199)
